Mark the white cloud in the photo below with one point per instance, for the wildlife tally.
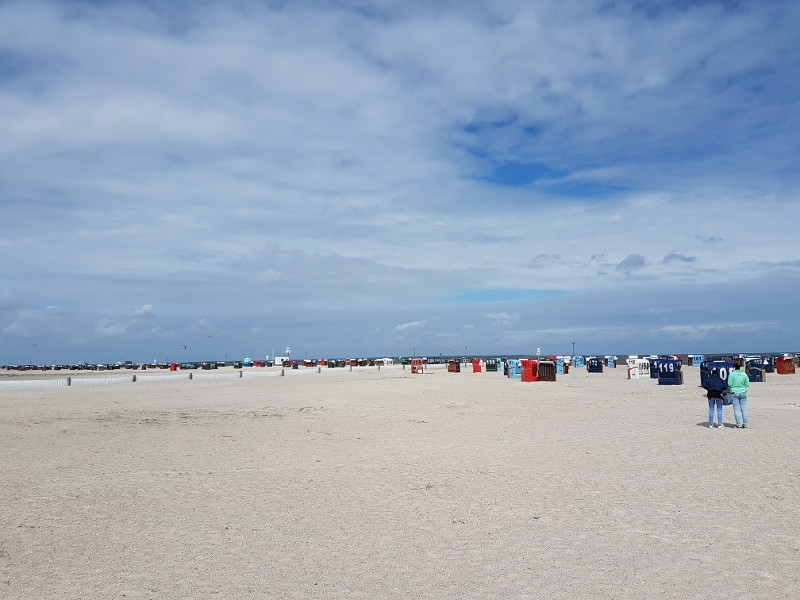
(410, 325)
(705, 331)
(501, 316)
(145, 310)
(107, 328)
(314, 172)
(201, 325)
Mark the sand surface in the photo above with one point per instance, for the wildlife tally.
(383, 484)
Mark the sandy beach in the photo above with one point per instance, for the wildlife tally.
(383, 484)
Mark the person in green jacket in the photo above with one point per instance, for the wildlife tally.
(738, 382)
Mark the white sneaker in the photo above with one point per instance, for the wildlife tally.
(719, 426)
(710, 425)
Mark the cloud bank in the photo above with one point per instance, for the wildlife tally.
(366, 178)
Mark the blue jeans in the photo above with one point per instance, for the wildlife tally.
(740, 407)
(712, 403)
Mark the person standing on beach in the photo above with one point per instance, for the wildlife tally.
(715, 388)
(738, 381)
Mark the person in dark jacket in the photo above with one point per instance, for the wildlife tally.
(716, 387)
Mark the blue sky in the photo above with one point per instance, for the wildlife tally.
(370, 178)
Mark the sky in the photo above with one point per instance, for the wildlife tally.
(220, 179)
